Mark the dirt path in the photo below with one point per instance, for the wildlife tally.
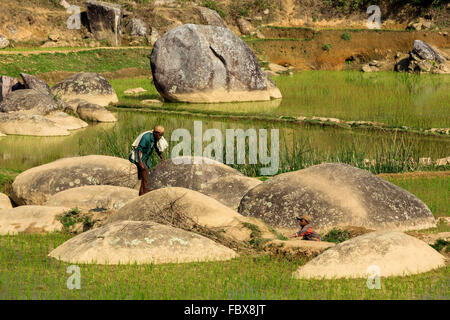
(39, 51)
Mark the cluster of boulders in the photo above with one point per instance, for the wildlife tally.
(202, 210)
(420, 24)
(423, 58)
(30, 107)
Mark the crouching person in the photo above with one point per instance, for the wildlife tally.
(307, 232)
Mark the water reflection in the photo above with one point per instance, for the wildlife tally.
(235, 107)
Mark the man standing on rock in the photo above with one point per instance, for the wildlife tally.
(148, 142)
(307, 231)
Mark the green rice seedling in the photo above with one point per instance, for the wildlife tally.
(336, 236)
(345, 36)
(432, 188)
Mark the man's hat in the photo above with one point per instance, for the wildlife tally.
(305, 217)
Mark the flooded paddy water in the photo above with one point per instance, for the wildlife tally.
(299, 145)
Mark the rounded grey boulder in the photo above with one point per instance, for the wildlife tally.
(140, 242)
(88, 86)
(424, 51)
(334, 195)
(29, 101)
(38, 184)
(383, 252)
(95, 198)
(32, 82)
(188, 209)
(202, 63)
(17, 123)
(212, 178)
(5, 203)
(94, 112)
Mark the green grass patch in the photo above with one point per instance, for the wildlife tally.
(346, 36)
(97, 60)
(336, 236)
(72, 217)
(256, 240)
(433, 190)
(395, 99)
(441, 245)
(7, 177)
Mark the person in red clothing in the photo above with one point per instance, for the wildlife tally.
(307, 231)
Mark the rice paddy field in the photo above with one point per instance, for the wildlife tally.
(27, 273)
(397, 100)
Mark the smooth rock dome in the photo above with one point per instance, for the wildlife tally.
(29, 101)
(212, 178)
(184, 208)
(18, 123)
(88, 86)
(203, 63)
(140, 242)
(394, 253)
(38, 184)
(31, 219)
(336, 195)
(93, 198)
(5, 203)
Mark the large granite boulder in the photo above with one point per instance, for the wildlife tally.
(5, 203)
(424, 58)
(210, 17)
(94, 112)
(140, 242)
(105, 21)
(190, 210)
(336, 195)
(392, 253)
(31, 219)
(37, 185)
(424, 51)
(212, 178)
(65, 121)
(32, 82)
(93, 198)
(200, 63)
(29, 101)
(17, 123)
(88, 86)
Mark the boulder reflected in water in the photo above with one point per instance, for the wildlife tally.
(236, 107)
